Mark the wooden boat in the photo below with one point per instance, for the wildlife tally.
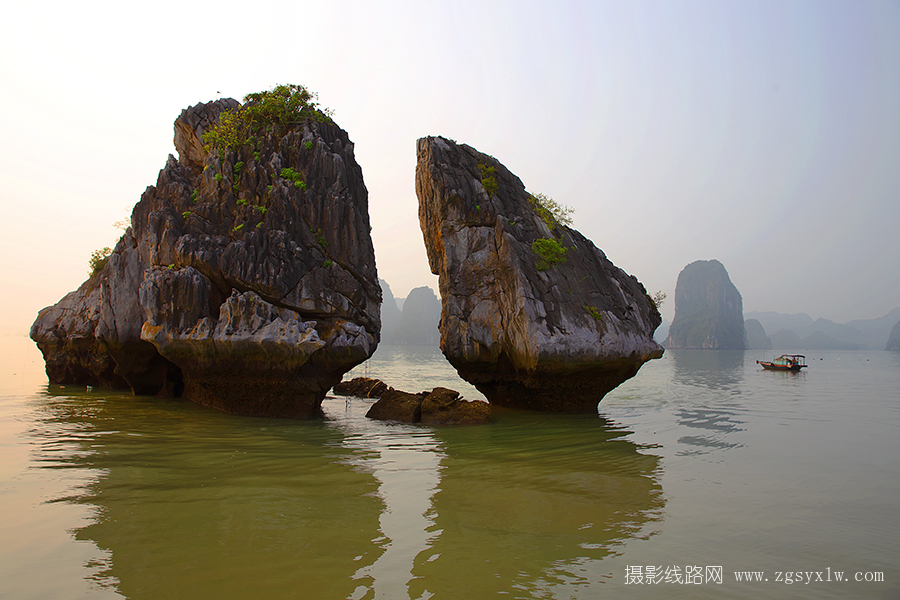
(785, 362)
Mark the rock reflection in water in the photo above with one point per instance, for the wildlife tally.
(194, 503)
(191, 503)
(712, 369)
(719, 373)
(532, 504)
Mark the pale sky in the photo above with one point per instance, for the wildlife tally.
(762, 134)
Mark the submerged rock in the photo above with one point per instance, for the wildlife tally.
(533, 314)
(247, 280)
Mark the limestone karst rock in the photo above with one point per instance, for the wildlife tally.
(893, 342)
(526, 333)
(390, 312)
(418, 324)
(756, 335)
(709, 310)
(247, 280)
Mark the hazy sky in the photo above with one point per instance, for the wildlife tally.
(763, 134)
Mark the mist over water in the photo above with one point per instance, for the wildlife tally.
(703, 459)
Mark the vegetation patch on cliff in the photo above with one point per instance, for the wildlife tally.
(549, 253)
(99, 258)
(281, 107)
(550, 211)
(487, 178)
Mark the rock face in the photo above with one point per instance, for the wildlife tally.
(527, 333)
(893, 342)
(709, 310)
(756, 335)
(238, 285)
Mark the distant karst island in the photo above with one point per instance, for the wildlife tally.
(708, 310)
(709, 315)
(416, 324)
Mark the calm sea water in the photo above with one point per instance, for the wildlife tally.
(700, 467)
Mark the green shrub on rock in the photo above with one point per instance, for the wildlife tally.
(262, 112)
(550, 211)
(487, 178)
(549, 252)
(99, 258)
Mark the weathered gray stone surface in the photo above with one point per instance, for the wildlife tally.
(709, 310)
(233, 285)
(556, 339)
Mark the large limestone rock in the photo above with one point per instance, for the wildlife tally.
(709, 311)
(240, 284)
(526, 334)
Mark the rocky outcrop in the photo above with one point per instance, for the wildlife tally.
(247, 280)
(395, 405)
(893, 342)
(440, 406)
(527, 327)
(444, 407)
(756, 335)
(708, 309)
(362, 387)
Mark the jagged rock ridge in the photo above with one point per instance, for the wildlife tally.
(527, 335)
(237, 284)
(708, 309)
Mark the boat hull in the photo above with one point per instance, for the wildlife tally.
(773, 367)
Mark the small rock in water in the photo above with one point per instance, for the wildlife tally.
(440, 406)
(361, 387)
